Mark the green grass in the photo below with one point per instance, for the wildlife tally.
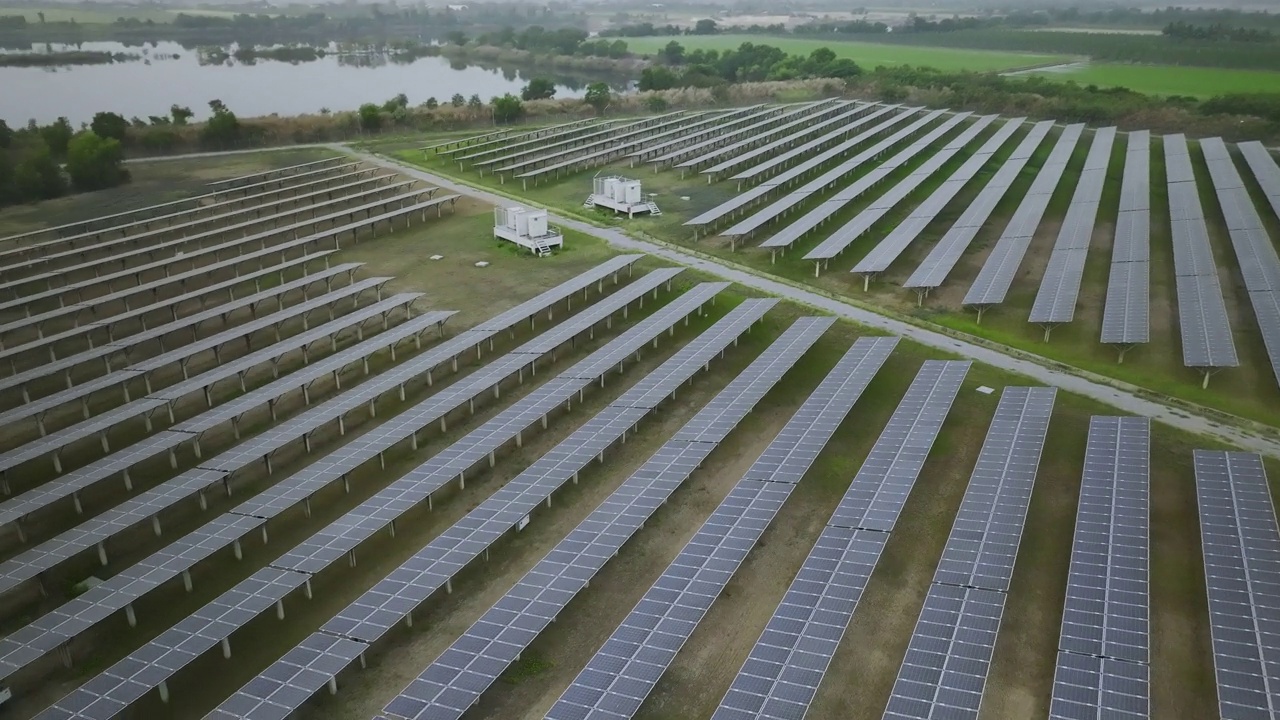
(103, 14)
(868, 55)
(1166, 80)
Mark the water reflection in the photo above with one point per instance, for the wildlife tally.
(164, 73)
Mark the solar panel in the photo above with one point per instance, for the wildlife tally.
(452, 683)
(984, 540)
(1087, 688)
(275, 172)
(853, 190)
(945, 669)
(1105, 629)
(1205, 329)
(433, 567)
(942, 259)
(1241, 543)
(277, 693)
(725, 144)
(993, 281)
(1255, 252)
(742, 200)
(1264, 170)
(842, 113)
(788, 662)
(1126, 316)
(1055, 302)
(623, 672)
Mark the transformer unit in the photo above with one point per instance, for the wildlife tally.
(621, 195)
(527, 228)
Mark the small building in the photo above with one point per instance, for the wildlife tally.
(621, 195)
(526, 228)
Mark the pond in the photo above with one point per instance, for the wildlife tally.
(169, 73)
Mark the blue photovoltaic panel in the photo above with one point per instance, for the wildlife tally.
(1095, 688)
(455, 681)
(1242, 575)
(624, 671)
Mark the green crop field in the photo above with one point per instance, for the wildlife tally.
(865, 54)
(1168, 80)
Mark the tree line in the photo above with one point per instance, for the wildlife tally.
(749, 63)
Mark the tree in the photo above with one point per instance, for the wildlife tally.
(180, 114)
(95, 162)
(6, 135)
(56, 135)
(656, 103)
(538, 89)
(705, 26)
(41, 16)
(458, 100)
(223, 128)
(36, 175)
(507, 108)
(475, 103)
(598, 96)
(109, 125)
(457, 37)
(399, 101)
(370, 117)
(432, 103)
(672, 54)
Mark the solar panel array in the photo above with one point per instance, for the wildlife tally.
(787, 664)
(613, 140)
(833, 244)
(1126, 316)
(624, 671)
(727, 141)
(455, 680)
(1241, 542)
(368, 618)
(844, 113)
(805, 116)
(766, 187)
(1202, 312)
(1255, 251)
(1055, 302)
(905, 232)
(945, 669)
(18, 650)
(993, 281)
(943, 257)
(828, 208)
(119, 342)
(1104, 649)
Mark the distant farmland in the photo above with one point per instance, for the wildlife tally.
(866, 54)
(1169, 80)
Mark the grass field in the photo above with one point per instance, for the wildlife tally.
(868, 55)
(1166, 80)
(867, 660)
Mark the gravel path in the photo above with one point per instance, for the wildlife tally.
(1104, 391)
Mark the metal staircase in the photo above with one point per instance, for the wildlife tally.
(653, 208)
(590, 202)
(540, 247)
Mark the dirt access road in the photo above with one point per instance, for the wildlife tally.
(1110, 392)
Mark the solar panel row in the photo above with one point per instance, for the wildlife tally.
(1264, 170)
(945, 669)
(1126, 316)
(897, 240)
(504, 149)
(623, 672)
(394, 598)
(605, 139)
(829, 179)
(1104, 648)
(29, 564)
(1055, 302)
(942, 259)
(649, 150)
(993, 281)
(1202, 313)
(1241, 543)
(846, 111)
(59, 626)
(275, 173)
(732, 206)
(1255, 252)
(787, 664)
(455, 681)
